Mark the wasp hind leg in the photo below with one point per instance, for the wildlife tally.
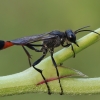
(40, 71)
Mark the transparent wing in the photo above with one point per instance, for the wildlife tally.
(33, 38)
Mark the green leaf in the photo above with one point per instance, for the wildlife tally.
(51, 74)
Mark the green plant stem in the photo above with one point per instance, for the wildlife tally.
(25, 82)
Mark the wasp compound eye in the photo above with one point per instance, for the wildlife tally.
(72, 38)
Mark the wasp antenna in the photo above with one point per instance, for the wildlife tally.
(87, 30)
(80, 29)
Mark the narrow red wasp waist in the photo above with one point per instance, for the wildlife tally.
(7, 44)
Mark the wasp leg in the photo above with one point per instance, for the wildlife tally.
(73, 50)
(28, 54)
(31, 46)
(40, 71)
(67, 45)
(35, 44)
(51, 52)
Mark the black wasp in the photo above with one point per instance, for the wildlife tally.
(50, 41)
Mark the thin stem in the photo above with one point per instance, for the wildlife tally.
(25, 82)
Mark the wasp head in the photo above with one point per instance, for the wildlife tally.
(71, 37)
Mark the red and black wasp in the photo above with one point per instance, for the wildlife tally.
(50, 41)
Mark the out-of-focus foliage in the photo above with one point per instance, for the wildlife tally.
(19, 18)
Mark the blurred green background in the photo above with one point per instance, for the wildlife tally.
(20, 18)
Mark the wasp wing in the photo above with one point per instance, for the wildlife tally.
(33, 38)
